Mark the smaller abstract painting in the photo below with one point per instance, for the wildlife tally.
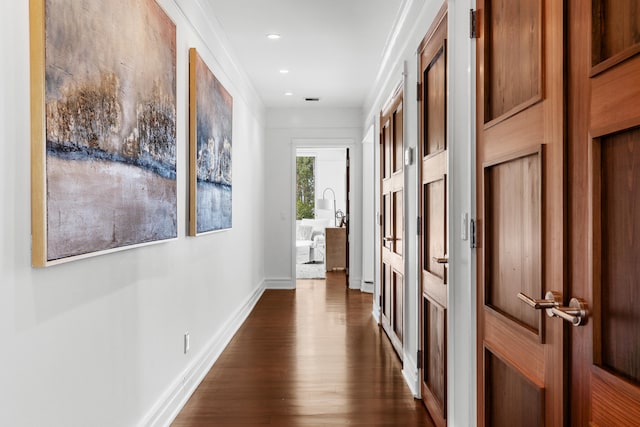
(210, 127)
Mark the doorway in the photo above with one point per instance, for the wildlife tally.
(321, 209)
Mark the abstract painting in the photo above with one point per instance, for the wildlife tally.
(210, 126)
(103, 127)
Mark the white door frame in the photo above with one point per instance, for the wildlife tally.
(355, 248)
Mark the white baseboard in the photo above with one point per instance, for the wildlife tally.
(366, 287)
(280, 283)
(355, 282)
(169, 405)
(410, 374)
(376, 311)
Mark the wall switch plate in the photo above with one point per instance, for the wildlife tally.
(408, 156)
(186, 342)
(464, 227)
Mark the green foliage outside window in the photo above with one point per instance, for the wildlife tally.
(305, 187)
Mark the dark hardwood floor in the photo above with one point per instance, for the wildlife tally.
(310, 357)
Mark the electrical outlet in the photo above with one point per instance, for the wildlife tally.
(186, 342)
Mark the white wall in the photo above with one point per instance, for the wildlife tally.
(368, 208)
(98, 342)
(403, 62)
(288, 129)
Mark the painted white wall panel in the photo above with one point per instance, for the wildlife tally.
(99, 341)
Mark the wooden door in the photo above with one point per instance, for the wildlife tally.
(433, 206)
(604, 201)
(348, 216)
(520, 211)
(392, 221)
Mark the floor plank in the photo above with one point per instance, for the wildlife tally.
(310, 357)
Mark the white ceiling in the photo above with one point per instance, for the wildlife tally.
(332, 48)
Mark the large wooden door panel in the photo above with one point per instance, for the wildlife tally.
(512, 57)
(604, 194)
(521, 211)
(392, 224)
(513, 243)
(511, 395)
(433, 247)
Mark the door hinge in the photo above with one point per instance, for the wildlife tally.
(418, 91)
(379, 219)
(473, 24)
(472, 234)
(419, 226)
(419, 361)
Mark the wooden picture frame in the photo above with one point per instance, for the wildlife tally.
(210, 150)
(103, 127)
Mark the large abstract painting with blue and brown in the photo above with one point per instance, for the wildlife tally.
(213, 161)
(110, 73)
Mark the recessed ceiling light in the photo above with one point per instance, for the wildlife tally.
(273, 36)
(283, 71)
(288, 93)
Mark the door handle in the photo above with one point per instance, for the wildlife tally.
(389, 238)
(576, 313)
(551, 299)
(441, 260)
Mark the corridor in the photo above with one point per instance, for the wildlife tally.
(310, 357)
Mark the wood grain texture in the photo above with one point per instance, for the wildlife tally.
(523, 125)
(398, 148)
(614, 99)
(435, 359)
(433, 210)
(435, 109)
(524, 350)
(615, 402)
(398, 222)
(38, 143)
(616, 28)
(398, 309)
(620, 216)
(513, 401)
(435, 231)
(336, 248)
(387, 295)
(579, 187)
(513, 207)
(603, 112)
(193, 142)
(513, 58)
(392, 231)
(309, 357)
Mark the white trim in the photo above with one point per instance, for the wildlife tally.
(355, 283)
(376, 309)
(171, 402)
(366, 287)
(280, 283)
(318, 143)
(410, 374)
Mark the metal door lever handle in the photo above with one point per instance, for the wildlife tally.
(551, 300)
(576, 314)
(388, 238)
(440, 260)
